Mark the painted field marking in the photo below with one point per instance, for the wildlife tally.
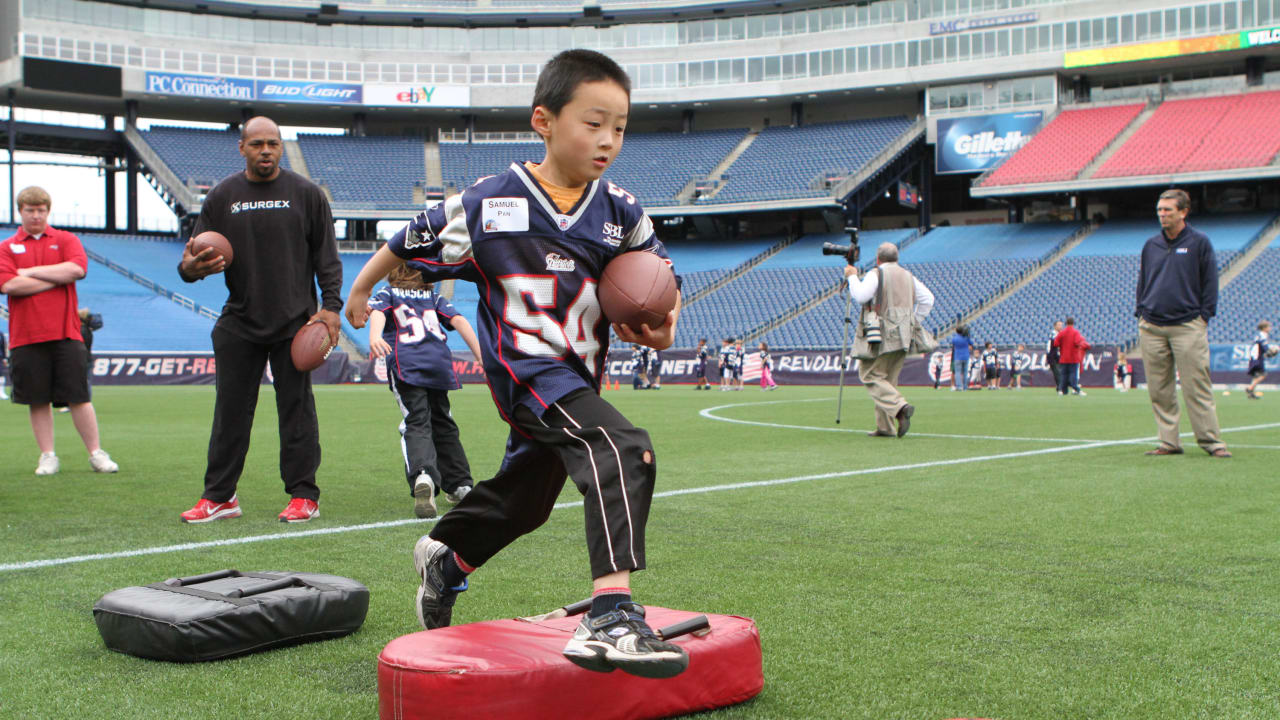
(51, 562)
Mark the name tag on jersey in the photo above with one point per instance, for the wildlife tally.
(1181, 251)
(510, 214)
(17, 248)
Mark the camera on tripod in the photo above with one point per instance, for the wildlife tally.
(851, 252)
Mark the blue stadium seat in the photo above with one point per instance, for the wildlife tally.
(377, 171)
(199, 157)
(809, 152)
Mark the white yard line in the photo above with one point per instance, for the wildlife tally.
(709, 414)
(51, 562)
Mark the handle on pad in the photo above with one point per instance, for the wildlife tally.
(684, 627)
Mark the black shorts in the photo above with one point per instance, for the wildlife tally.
(993, 374)
(1257, 372)
(54, 371)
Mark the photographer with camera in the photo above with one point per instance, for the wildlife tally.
(893, 303)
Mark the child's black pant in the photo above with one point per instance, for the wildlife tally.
(610, 460)
(429, 437)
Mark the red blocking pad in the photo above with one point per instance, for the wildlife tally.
(513, 669)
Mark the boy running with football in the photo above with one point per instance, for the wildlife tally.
(543, 338)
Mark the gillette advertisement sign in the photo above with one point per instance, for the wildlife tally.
(979, 143)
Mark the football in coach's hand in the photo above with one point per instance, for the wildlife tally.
(637, 288)
(216, 240)
(311, 346)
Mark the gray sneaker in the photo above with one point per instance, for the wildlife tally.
(435, 598)
(424, 497)
(460, 492)
(622, 640)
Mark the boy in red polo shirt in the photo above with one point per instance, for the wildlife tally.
(39, 267)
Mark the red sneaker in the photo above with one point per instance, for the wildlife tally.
(207, 510)
(300, 510)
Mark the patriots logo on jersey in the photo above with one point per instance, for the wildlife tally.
(558, 263)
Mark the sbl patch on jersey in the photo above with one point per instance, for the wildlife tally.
(612, 234)
(1181, 251)
(509, 214)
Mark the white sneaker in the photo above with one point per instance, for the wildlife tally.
(1082, 393)
(456, 496)
(48, 464)
(102, 462)
(424, 496)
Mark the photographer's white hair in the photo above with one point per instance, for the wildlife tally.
(887, 253)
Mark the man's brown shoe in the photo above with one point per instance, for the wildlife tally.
(880, 434)
(1164, 450)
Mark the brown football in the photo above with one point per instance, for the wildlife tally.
(310, 346)
(216, 240)
(637, 288)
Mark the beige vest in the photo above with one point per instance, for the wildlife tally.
(896, 311)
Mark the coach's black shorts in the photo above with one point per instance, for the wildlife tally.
(54, 371)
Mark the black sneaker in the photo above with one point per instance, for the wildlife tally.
(621, 640)
(435, 598)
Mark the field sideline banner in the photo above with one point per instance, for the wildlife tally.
(795, 367)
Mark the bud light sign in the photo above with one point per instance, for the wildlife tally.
(309, 92)
(975, 144)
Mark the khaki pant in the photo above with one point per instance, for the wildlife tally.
(1186, 348)
(881, 378)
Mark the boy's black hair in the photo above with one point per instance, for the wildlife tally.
(562, 75)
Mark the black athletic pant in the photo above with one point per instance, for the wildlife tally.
(610, 460)
(429, 437)
(1056, 369)
(239, 364)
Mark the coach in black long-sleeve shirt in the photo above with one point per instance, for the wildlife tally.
(1177, 295)
(281, 231)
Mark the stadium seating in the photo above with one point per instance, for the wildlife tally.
(1062, 149)
(1248, 136)
(1252, 296)
(136, 318)
(199, 157)
(157, 260)
(378, 172)
(810, 151)
(1170, 137)
(654, 167)
(794, 276)
(1095, 282)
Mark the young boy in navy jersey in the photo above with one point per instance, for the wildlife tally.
(535, 239)
(408, 327)
(700, 372)
(1259, 351)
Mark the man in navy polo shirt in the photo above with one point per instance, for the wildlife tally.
(1177, 294)
(39, 267)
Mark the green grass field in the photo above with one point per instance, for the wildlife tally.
(1015, 557)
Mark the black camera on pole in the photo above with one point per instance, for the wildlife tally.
(851, 252)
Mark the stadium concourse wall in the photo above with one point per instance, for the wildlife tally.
(794, 367)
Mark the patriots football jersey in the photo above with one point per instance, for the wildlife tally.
(1258, 353)
(726, 356)
(539, 322)
(702, 355)
(417, 321)
(655, 361)
(990, 358)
